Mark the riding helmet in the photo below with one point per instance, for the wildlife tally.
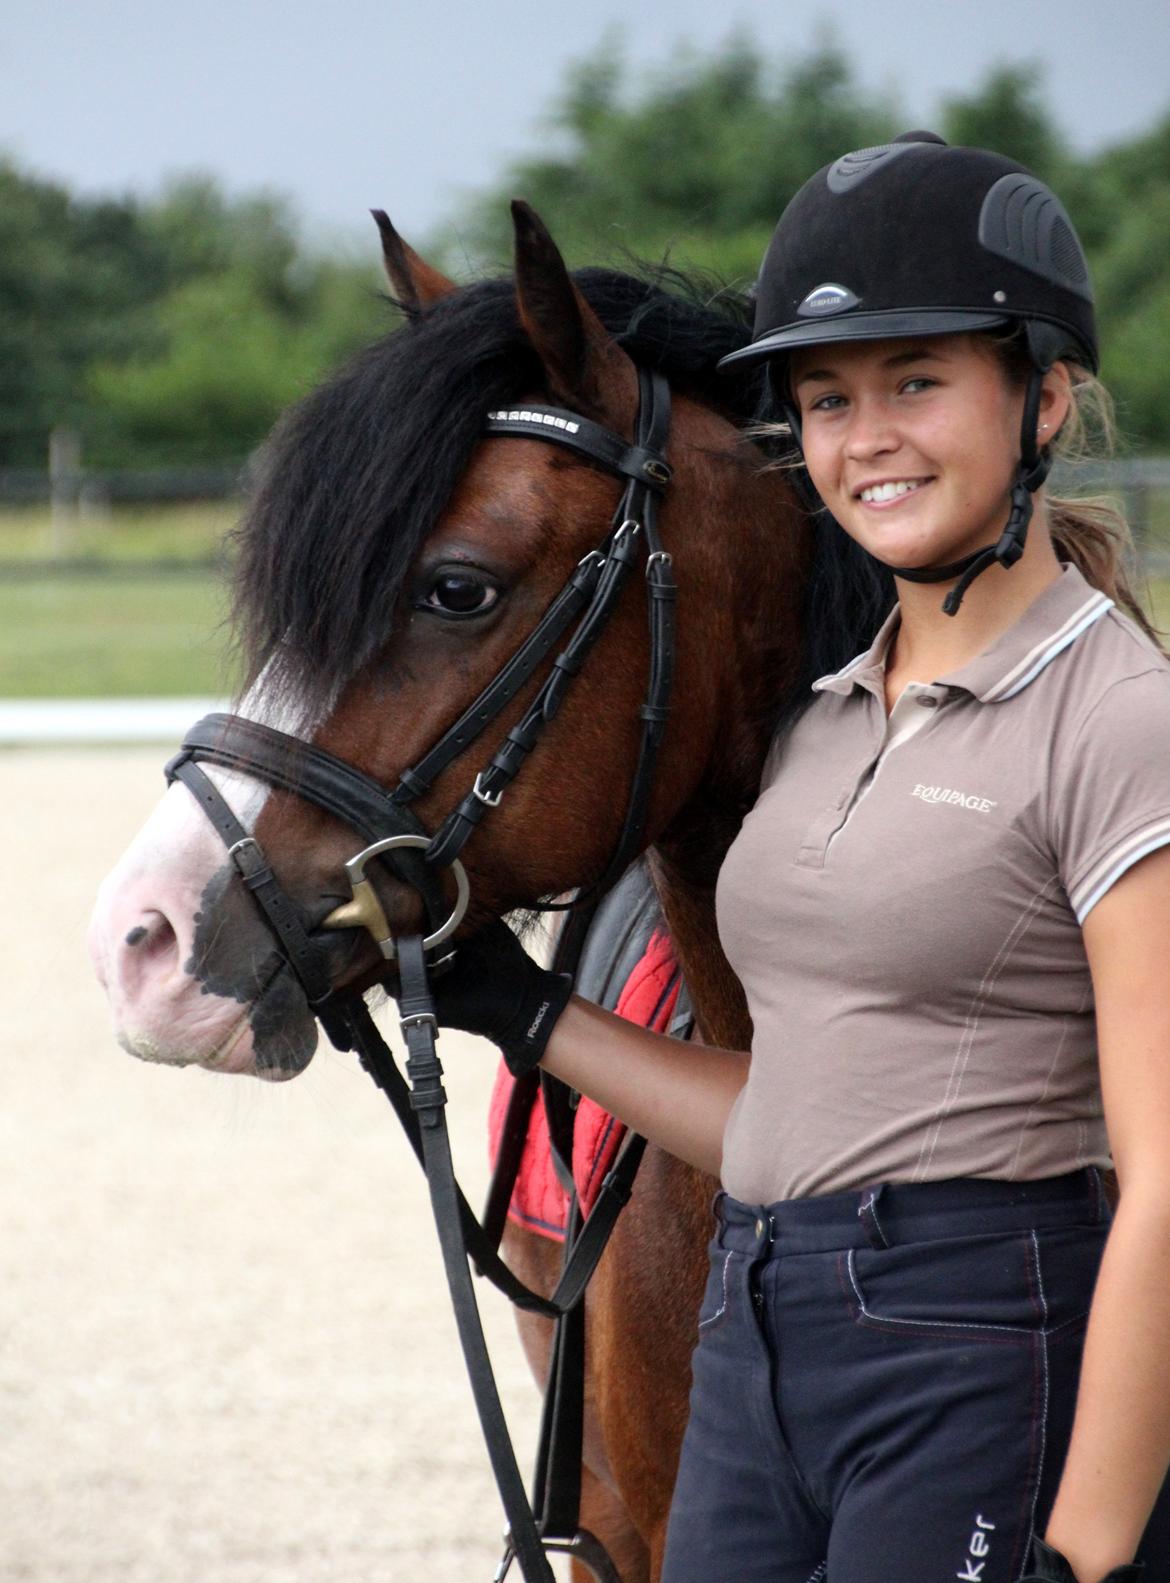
(916, 238)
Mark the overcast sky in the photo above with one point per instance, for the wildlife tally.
(405, 104)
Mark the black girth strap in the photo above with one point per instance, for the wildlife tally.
(363, 1036)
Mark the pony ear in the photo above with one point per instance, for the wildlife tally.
(415, 284)
(586, 368)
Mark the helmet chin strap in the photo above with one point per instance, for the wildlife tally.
(1006, 551)
(1031, 473)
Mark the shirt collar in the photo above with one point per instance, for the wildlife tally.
(867, 670)
(1066, 609)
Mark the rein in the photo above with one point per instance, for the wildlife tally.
(396, 836)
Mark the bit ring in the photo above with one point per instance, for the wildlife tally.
(365, 910)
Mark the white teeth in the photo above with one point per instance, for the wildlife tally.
(904, 486)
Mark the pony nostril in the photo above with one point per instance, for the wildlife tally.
(150, 940)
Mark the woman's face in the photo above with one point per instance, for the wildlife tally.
(913, 444)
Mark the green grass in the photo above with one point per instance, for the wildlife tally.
(113, 634)
(119, 627)
(182, 532)
(109, 621)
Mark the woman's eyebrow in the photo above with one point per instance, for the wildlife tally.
(913, 354)
(814, 373)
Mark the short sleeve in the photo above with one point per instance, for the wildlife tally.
(1112, 789)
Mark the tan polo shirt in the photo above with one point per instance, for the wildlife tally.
(903, 907)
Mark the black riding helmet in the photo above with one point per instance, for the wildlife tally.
(916, 238)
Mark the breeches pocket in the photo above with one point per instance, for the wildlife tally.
(1002, 1287)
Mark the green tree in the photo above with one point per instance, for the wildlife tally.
(229, 352)
(1127, 191)
(248, 322)
(175, 328)
(697, 161)
(166, 330)
(1007, 113)
(74, 277)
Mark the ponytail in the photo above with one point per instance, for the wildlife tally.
(1091, 532)
(1088, 532)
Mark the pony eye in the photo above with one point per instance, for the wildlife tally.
(461, 594)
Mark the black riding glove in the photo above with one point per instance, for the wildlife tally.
(1049, 1566)
(494, 988)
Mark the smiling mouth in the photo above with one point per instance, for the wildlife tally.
(896, 489)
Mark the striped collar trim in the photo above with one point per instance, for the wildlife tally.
(1050, 625)
(1053, 622)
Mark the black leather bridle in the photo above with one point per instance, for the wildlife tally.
(578, 615)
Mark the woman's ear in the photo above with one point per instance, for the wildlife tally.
(1056, 400)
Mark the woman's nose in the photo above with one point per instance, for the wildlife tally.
(871, 430)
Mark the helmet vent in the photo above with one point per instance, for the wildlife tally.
(1024, 222)
(852, 169)
(1066, 252)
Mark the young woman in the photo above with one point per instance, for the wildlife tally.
(926, 1350)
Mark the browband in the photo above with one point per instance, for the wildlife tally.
(639, 462)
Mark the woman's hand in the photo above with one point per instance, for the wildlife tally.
(674, 1093)
(494, 988)
(1049, 1566)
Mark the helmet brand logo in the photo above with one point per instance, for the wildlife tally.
(829, 298)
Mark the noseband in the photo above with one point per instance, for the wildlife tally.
(395, 835)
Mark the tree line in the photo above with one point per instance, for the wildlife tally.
(173, 329)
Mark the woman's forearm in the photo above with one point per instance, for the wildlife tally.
(676, 1094)
(1120, 1446)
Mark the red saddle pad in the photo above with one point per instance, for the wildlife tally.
(539, 1202)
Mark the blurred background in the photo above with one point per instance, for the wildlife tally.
(185, 247)
(222, 1346)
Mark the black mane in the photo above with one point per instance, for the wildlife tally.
(354, 477)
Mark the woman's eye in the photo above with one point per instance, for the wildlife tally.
(919, 382)
(461, 594)
(826, 404)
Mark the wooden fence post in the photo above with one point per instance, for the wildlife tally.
(64, 485)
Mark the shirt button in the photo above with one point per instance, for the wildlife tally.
(928, 701)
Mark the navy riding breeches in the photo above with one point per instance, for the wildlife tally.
(884, 1385)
